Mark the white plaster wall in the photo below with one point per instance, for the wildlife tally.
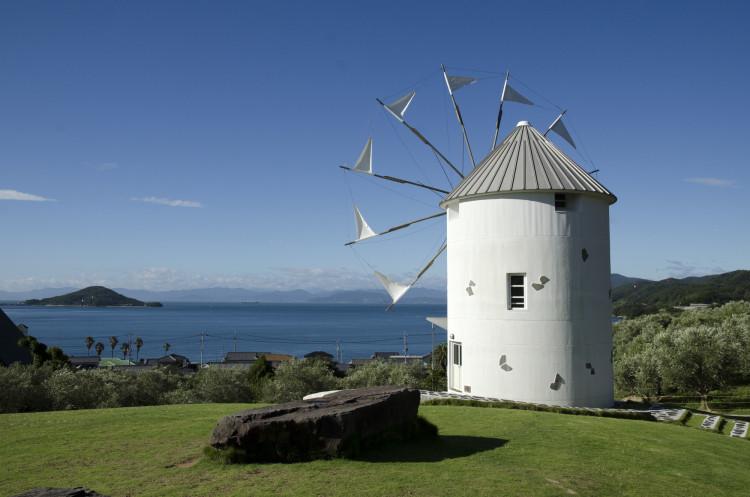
(567, 321)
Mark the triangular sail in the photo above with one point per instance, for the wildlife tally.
(395, 290)
(457, 82)
(399, 106)
(398, 290)
(364, 163)
(454, 83)
(361, 221)
(511, 95)
(363, 229)
(559, 128)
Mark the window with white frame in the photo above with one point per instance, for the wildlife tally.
(516, 291)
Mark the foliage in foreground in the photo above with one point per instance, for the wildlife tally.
(697, 352)
(47, 387)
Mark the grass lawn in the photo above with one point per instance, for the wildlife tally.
(156, 451)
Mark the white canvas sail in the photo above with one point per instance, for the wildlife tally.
(398, 108)
(511, 95)
(364, 163)
(395, 290)
(457, 82)
(363, 229)
(559, 128)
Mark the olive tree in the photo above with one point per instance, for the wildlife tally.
(699, 359)
(295, 379)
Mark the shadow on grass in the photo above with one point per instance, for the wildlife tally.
(432, 450)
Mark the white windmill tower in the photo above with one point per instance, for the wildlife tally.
(529, 309)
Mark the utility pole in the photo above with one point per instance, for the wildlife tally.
(202, 336)
(406, 346)
(235, 340)
(432, 354)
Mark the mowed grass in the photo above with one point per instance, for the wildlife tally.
(157, 451)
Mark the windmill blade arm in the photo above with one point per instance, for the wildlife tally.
(404, 289)
(399, 227)
(401, 181)
(421, 137)
(406, 225)
(429, 264)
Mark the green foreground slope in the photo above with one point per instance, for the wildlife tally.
(156, 451)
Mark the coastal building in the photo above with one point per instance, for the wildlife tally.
(529, 310)
(248, 358)
(173, 360)
(84, 362)
(10, 352)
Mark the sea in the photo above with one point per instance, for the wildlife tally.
(207, 331)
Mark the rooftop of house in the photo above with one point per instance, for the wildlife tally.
(254, 356)
(383, 355)
(85, 360)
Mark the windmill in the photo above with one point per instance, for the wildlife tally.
(527, 237)
(397, 109)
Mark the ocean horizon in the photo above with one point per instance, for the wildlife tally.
(295, 329)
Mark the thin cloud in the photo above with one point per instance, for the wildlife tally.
(683, 269)
(715, 182)
(107, 166)
(168, 202)
(23, 197)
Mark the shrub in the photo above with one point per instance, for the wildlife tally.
(22, 388)
(377, 373)
(68, 389)
(222, 385)
(293, 380)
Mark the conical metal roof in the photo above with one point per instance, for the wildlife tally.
(527, 162)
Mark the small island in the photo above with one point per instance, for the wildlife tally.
(92, 296)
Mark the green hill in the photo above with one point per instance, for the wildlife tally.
(157, 451)
(649, 296)
(93, 296)
(617, 280)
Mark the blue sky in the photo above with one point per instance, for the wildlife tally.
(193, 144)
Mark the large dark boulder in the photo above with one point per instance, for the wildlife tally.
(60, 492)
(340, 424)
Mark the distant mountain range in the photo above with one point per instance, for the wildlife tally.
(618, 280)
(643, 297)
(630, 295)
(223, 294)
(220, 294)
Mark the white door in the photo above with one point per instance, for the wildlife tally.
(455, 366)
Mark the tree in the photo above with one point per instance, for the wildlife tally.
(113, 341)
(637, 371)
(437, 377)
(699, 359)
(259, 374)
(125, 347)
(40, 354)
(99, 347)
(295, 379)
(138, 345)
(380, 372)
(167, 346)
(89, 344)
